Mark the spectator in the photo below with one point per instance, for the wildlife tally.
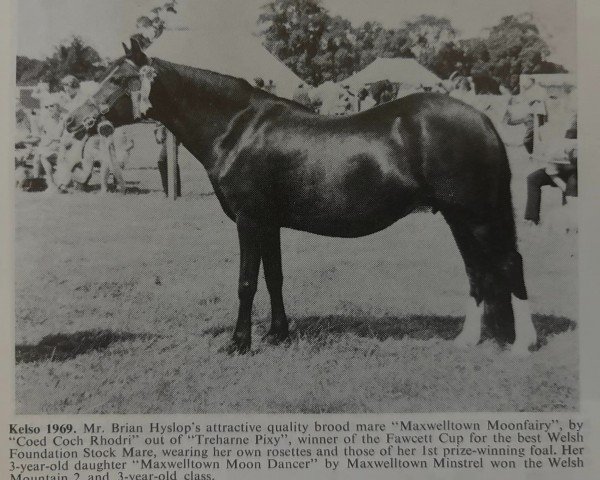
(26, 140)
(69, 152)
(72, 96)
(271, 87)
(561, 172)
(535, 97)
(51, 130)
(365, 100)
(27, 127)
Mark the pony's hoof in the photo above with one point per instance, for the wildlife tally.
(520, 349)
(236, 346)
(467, 340)
(275, 337)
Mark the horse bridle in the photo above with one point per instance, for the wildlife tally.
(103, 108)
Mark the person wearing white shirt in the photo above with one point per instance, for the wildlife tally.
(365, 100)
(51, 130)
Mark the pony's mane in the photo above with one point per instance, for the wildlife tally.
(198, 76)
(217, 81)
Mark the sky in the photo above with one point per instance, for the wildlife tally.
(41, 24)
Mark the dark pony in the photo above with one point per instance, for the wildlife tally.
(274, 164)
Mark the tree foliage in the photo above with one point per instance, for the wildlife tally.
(294, 33)
(73, 57)
(513, 47)
(319, 47)
(76, 58)
(29, 70)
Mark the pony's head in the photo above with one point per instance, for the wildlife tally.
(117, 101)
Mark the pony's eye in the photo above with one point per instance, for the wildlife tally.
(117, 81)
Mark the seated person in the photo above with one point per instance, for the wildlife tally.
(78, 167)
(26, 138)
(561, 172)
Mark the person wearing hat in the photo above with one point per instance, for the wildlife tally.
(535, 97)
(51, 130)
(365, 100)
(561, 172)
(72, 96)
(69, 151)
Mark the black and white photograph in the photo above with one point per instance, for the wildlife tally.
(296, 207)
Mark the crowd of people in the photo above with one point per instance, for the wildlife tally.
(48, 158)
(47, 150)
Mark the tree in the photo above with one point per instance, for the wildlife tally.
(319, 47)
(373, 41)
(422, 38)
(73, 58)
(29, 70)
(448, 59)
(337, 55)
(429, 32)
(293, 31)
(513, 47)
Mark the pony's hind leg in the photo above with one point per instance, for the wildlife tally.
(525, 334)
(495, 272)
(472, 327)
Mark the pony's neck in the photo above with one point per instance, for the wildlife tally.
(196, 105)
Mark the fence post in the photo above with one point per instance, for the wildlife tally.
(172, 165)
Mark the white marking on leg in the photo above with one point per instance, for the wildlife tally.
(525, 335)
(471, 332)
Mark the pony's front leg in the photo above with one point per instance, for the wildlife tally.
(249, 237)
(271, 257)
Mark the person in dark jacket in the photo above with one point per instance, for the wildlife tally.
(561, 172)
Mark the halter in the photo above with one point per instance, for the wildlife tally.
(141, 104)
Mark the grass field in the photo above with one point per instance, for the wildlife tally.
(122, 303)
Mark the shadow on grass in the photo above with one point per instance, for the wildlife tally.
(131, 188)
(420, 327)
(61, 346)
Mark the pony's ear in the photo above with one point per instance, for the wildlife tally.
(127, 50)
(136, 54)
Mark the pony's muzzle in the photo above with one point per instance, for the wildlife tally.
(79, 134)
